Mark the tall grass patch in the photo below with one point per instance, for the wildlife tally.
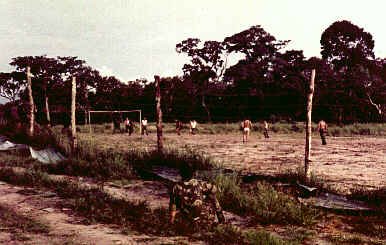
(263, 202)
(229, 234)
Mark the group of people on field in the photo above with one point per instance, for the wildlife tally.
(246, 126)
(192, 127)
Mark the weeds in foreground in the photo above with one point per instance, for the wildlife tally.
(19, 225)
(229, 234)
(263, 202)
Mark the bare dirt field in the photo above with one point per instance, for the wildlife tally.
(344, 163)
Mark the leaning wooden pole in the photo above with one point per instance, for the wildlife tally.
(31, 109)
(159, 114)
(48, 117)
(73, 121)
(309, 126)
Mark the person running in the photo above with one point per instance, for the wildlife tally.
(144, 126)
(129, 126)
(178, 127)
(246, 126)
(193, 127)
(322, 128)
(266, 127)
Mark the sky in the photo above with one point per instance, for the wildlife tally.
(134, 39)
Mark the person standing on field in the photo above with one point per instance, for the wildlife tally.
(129, 126)
(266, 127)
(246, 126)
(178, 127)
(193, 127)
(322, 128)
(144, 126)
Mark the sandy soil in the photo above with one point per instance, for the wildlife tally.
(345, 162)
(64, 227)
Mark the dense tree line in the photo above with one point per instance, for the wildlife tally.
(265, 81)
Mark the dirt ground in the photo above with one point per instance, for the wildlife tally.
(63, 225)
(345, 162)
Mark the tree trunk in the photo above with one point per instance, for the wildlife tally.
(309, 127)
(31, 110)
(73, 121)
(209, 118)
(47, 111)
(159, 114)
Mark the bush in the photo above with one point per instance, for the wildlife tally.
(229, 234)
(263, 202)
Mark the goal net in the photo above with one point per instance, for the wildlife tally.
(101, 120)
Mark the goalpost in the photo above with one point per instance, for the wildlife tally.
(90, 112)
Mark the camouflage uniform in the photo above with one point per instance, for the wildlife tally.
(197, 202)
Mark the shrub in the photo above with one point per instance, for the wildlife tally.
(263, 202)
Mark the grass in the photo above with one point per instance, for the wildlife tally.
(229, 234)
(374, 129)
(262, 202)
(20, 225)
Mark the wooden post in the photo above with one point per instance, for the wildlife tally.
(48, 117)
(309, 127)
(31, 110)
(159, 114)
(73, 121)
(89, 121)
(140, 123)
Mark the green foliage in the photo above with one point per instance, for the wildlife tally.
(263, 202)
(229, 234)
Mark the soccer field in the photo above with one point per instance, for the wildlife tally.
(344, 163)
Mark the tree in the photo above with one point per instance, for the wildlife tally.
(12, 84)
(253, 75)
(207, 63)
(349, 49)
(346, 45)
(44, 72)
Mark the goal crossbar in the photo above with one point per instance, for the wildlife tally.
(89, 116)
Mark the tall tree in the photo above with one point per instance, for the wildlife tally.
(349, 49)
(346, 45)
(253, 74)
(44, 72)
(207, 63)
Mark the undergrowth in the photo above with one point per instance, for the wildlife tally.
(262, 202)
(18, 224)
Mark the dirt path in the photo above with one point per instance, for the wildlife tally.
(64, 226)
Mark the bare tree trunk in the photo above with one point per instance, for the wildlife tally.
(47, 111)
(31, 111)
(209, 118)
(73, 121)
(159, 114)
(309, 127)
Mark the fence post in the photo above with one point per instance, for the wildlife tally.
(159, 114)
(309, 127)
(73, 119)
(31, 110)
